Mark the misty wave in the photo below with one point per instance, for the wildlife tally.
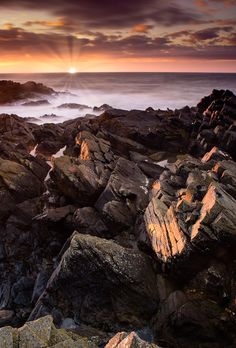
(120, 90)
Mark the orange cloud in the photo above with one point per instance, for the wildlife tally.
(142, 28)
(8, 26)
(56, 23)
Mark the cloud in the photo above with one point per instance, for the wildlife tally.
(142, 28)
(209, 33)
(51, 24)
(216, 44)
(112, 13)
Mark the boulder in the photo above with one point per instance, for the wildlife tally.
(117, 286)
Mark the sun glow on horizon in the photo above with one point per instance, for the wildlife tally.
(72, 70)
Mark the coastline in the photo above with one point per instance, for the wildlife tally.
(101, 235)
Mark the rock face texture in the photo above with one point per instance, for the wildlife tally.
(120, 229)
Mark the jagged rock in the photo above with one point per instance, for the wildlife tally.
(55, 215)
(215, 154)
(94, 148)
(15, 130)
(196, 219)
(87, 220)
(124, 196)
(125, 340)
(103, 107)
(19, 181)
(190, 320)
(113, 281)
(42, 333)
(217, 212)
(81, 181)
(166, 236)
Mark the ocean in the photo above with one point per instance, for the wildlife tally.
(120, 90)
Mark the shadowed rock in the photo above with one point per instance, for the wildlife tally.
(116, 285)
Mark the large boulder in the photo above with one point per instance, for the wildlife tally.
(102, 284)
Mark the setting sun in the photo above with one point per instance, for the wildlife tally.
(72, 70)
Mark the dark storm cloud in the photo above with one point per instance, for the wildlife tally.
(111, 13)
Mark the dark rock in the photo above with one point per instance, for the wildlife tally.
(87, 220)
(73, 106)
(113, 282)
(103, 107)
(124, 196)
(37, 103)
(81, 181)
(13, 91)
(15, 130)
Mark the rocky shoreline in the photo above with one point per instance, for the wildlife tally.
(120, 228)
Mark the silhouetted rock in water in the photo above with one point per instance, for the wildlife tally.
(131, 230)
(37, 103)
(13, 91)
(103, 107)
(32, 119)
(73, 106)
(49, 116)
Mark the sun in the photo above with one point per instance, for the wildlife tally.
(72, 70)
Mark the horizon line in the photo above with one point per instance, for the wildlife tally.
(120, 72)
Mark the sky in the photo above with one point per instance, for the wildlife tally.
(117, 35)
